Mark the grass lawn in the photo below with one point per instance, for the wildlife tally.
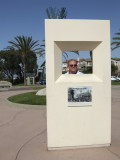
(34, 87)
(28, 98)
(115, 82)
(38, 87)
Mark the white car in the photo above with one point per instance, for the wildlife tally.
(113, 78)
(118, 78)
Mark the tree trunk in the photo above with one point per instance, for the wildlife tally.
(91, 59)
(12, 79)
(25, 75)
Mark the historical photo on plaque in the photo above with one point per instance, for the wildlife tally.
(80, 96)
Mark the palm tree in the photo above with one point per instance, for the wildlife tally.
(116, 42)
(54, 13)
(42, 48)
(24, 45)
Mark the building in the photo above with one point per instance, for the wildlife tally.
(84, 64)
(116, 62)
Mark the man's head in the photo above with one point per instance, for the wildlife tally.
(72, 66)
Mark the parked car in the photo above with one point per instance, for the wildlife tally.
(113, 78)
(43, 82)
(118, 78)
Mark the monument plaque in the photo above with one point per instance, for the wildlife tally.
(80, 96)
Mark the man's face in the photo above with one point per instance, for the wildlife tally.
(72, 67)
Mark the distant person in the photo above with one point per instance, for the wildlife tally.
(72, 66)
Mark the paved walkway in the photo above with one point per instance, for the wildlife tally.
(23, 133)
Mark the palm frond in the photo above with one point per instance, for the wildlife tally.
(21, 42)
(64, 57)
(33, 44)
(14, 45)
(42, 50)
(65, 54)
(25, 44)
(63, 13)
(115, 43)
(76, 52)
(34, 50)
(54, 13)
(42, 45)
(116, 38)
(115, 48)
(48, 14)
(118, 33)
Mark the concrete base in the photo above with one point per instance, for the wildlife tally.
(78, 147)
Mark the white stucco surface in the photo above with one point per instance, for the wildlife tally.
(86, 126)
(41, 92)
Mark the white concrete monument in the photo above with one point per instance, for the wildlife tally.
(81, 124)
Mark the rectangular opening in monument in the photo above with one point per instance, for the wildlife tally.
(83, 58)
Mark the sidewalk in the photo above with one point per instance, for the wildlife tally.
(23, 134)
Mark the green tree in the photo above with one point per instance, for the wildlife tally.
(24, 45)
(9, 64)
(31, 63)
(114, 69)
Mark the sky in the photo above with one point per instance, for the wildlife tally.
(26, 17)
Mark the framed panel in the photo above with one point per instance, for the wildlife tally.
(80, 96)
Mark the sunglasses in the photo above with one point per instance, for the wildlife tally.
(73, 65)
